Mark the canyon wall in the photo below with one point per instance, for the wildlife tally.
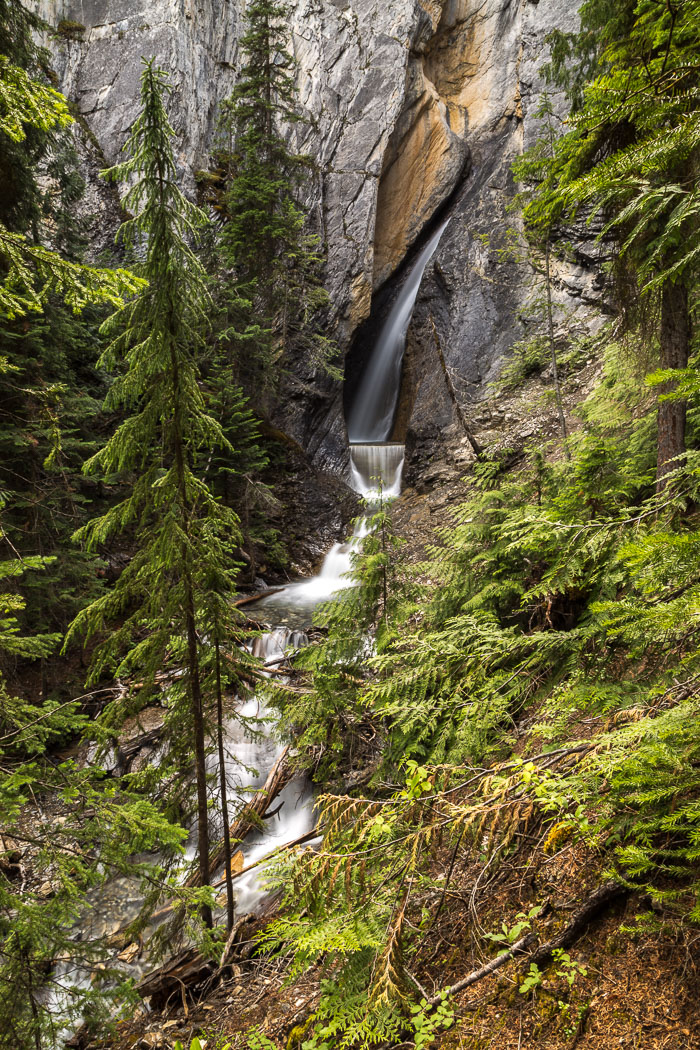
(414, 106)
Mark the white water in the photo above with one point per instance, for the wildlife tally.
(372, 415)
(298, 600)
(249, 758)
(375, 470)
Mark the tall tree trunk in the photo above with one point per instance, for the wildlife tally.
(553, 350)
(223, 790)
(197, 703)
(200, 752)
(674, 336)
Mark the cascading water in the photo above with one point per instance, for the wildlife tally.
(375, 471)
(372, 415)
(295, 604)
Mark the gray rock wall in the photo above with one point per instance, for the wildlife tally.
(409, 103)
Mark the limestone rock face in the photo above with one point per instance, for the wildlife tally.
(484, 60)
(98, 56)
(415, 107)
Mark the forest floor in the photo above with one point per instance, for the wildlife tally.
(636, 981)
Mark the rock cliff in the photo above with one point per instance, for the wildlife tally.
(414, 107)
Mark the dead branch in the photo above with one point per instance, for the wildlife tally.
(597, 902)
(490, 967)
(252, 813)
(476, 447)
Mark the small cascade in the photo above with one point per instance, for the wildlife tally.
(249, 758)
(376, 470)
(374, 405)
(271, 646)
(251, 750)
(295, 604)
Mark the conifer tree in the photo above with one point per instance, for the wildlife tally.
(154, 612)
(31, 114)
(48, 385)
(359, 620)
(277, 266)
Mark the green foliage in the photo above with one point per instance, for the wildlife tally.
(508, 935)
(257, 1040)
(177, 586)
(563, 592)
(275, 265)
(427, 1021)
(327, 718)
(644, 84)
(77, 828)
(31, 111)
(529, 357)
(532, 979)
(157, 336)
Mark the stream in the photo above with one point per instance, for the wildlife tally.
(376, 464)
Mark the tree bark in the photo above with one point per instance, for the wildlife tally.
(199, 751)
(223, 787)
(195, 684)
(490, 967)
(674, 336)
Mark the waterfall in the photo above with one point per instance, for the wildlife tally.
(295, 603)
(375, 469)
(251, 750)
(372, 415)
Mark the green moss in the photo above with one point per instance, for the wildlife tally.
(70, 30)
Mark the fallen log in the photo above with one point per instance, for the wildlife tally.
(252, 813)
(273, 853)
(257, 597)
(189, 967)
(490, 967)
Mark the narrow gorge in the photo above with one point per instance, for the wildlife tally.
(349, 489)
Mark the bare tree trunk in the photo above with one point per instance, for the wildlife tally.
(197, 703)
(553, 350)
(223, 790)
(674, 336)
(453, 393)
(199, 751)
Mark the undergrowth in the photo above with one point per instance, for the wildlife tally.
(542, 688)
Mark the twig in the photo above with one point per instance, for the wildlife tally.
(419, 986)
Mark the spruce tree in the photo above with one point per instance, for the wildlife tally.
(274, 263)
(48, 384)
(32, 113)
(101, 827)
(180, 530)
